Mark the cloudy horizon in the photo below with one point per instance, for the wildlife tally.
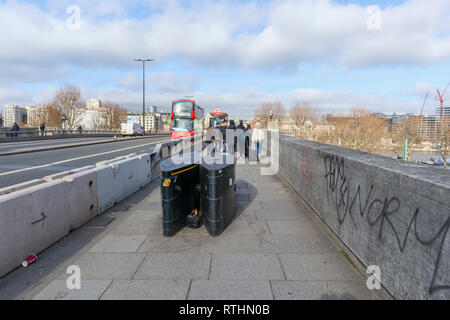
(234, 55)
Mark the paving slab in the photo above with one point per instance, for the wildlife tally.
(280, 205)
(89, 290)
(119, 243)
(280, 215)
(321, 290)
(305, 227)
(255, 266)
(147, 290)
(135, 226)
(174, 266)
(230, 243)
(150, 205)
(145, 215)
(230, 290)
(294, 243)
(298, 290)
(180, 243)
(240, 227)
(318, 266)
(108, 266)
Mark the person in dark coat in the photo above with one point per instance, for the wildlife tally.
(15, 129)
(241, 125)
(232, 126)
(223, 131)
(241, 135)
(42, 127)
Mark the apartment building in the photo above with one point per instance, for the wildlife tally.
(14, 113)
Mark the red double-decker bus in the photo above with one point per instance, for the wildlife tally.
(186, 119)
(215, 119)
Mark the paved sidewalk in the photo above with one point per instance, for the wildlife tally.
(272, 250)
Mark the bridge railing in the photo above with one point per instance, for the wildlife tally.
(24, 132)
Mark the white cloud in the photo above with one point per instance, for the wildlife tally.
(251, 35)
(286, 35)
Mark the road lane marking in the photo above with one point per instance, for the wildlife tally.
(49, 141)
(79, 158)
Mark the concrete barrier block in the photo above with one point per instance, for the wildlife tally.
(20, 186)
(60, 175)
(118, 180)
(34, 218)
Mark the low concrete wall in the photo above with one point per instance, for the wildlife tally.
(36, 214)
(389, 213)
(120, 179)
(34, 218)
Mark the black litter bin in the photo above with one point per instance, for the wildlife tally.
(217, 192)
(179, 192)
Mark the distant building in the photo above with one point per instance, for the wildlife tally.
(14, 113)
(93, 117)
(445, 111)
(93, 104)
(153, 109)
(153, 120)
(1, 120)
(33, 116)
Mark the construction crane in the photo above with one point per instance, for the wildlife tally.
(420, 114)
(440, 97)
(424, 101)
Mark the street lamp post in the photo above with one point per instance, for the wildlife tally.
(143, 90)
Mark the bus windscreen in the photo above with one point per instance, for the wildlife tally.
(182, 125)
(217, 119)
(182, 109)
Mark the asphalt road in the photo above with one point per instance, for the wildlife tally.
(19, 168)
(26, 145)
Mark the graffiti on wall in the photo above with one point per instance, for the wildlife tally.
(350, 202)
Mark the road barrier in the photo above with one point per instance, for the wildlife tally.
(119, 179)
(36, 214)
(34, 218)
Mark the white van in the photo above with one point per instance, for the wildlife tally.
(132, 129)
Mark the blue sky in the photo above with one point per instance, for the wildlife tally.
(231, 54)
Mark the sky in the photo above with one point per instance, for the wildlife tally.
(233, 55)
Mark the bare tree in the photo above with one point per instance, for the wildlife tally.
(68, 99)
(114, 115)
(302, 114)
(362, 130)
(263, 113)
(441, 138)
(50, 115)
(408, 128)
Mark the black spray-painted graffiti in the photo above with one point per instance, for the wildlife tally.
(377, 211)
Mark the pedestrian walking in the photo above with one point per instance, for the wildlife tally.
(232, 126)
(257, 139)
(42, 127)
(15, 130)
